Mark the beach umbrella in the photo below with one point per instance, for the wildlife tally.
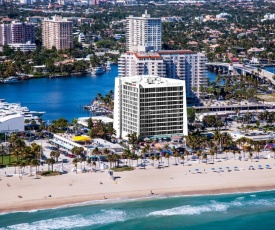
(81, 138)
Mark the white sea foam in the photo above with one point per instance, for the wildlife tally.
(69, 222)
(213, 206)
(192, 210)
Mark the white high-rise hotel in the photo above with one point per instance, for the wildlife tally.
(149, 106)
(143, 32)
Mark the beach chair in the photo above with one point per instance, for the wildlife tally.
(213, 170)
(260, 167)
(236, 168)
(251, 167)
(267, 167)
(220, 169)
(197, 170)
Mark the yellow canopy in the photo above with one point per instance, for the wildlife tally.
(81, 138)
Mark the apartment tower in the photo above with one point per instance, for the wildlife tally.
(143, 33)
(57, 32)
(176, 64)
(17, 32)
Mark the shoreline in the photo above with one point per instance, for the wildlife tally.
(93, 199)
(29, 194)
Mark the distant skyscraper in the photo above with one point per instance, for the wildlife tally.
(143, 33)
(57, 32)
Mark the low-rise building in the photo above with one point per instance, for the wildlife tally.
(24, 47)
(13, 122)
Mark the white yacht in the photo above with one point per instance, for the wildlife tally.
(11, 80)
(98, 70)
(6, 107)
(108, 66)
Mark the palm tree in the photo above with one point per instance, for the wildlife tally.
(250, 155)
(89, 161)
(212, 153)
(15, 164)
(257, 150)
(157, 158)
(75, 164)
(186, 153)
(125, 155)
(94, 165)
(2, 151)
(110, 159)
(153, 159)
(176, 155)
(182, 157)
(77, 151)
(96, 152)
(199, 155)
(167, 156)
(51, 162)
(55, 154)
(35, 163)
(234, 153)
(204, 157)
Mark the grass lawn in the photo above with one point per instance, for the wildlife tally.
(123, 168)
(49, 173)
(6, 159)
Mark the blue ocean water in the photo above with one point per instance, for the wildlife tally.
(236, 211)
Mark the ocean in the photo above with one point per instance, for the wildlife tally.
(212, 212)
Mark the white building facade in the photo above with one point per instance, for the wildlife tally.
(176, 64)
(150, 106)
(143, 33)
(12, 123)
(24, 47)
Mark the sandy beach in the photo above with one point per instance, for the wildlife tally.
(49, 192)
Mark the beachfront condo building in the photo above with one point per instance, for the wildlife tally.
(17, 32)
(57, 32)
(149, 106)
(143, 33)
(175, 64)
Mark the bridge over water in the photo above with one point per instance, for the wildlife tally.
(240, 69)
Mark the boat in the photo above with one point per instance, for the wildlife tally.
(16, 108)
(108, 66)
(11, 80)
(98, 70)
